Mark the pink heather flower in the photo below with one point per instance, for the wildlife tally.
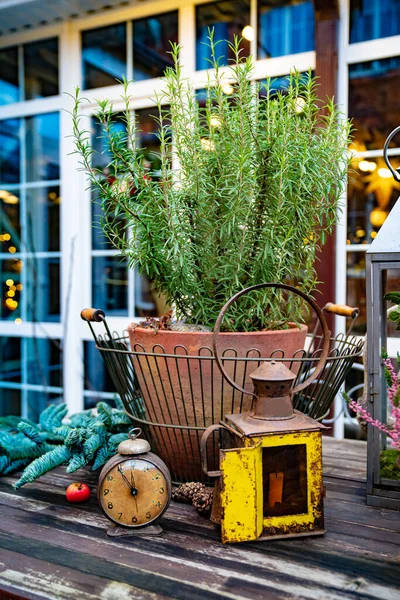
(393, 392)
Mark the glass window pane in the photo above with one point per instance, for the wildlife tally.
(285, 27)
(373, 101)
(10, 360)
(11, 288)
(151, 44)
(147, 301)
(147, 139)
(356, 290)
(96, 376)
(10, 149)
(103, 55)
(41, 69)
(9, 87)
(373, 19)
(37, 401)
(42, 362)
(42, 147)
(110, 284)
(101, 160)
(227, 18)
(42, 231)
(372, 193)
(10, 402)
(10, 228)
(41, 290)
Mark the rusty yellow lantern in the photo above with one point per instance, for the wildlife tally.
(269, 482)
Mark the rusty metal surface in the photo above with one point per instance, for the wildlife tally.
(250, 427)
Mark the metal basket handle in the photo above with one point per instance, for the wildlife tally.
(325, 334)
(395, 172)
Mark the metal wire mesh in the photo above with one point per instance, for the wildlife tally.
(175, 397)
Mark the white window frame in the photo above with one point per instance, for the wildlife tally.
(349, 54)
(75, 213)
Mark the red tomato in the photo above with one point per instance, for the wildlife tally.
(77, 492)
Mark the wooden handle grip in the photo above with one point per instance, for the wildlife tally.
(93, 314)
(342, 310)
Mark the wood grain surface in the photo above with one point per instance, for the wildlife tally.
(51, 549)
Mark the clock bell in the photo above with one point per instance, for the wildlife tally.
(269, 482)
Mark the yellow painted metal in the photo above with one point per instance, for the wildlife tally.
(242, 488)
(241, 493)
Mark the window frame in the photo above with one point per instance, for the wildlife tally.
(75, 244)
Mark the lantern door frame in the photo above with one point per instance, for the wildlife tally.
(242, 490)
(381, 492)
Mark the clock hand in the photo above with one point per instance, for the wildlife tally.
(134, 490)
(125, 479)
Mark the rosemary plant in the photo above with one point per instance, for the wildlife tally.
(249, 187)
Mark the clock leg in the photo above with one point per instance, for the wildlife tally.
(150, 530)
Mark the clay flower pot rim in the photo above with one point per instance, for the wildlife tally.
(292, 326)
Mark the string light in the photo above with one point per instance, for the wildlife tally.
(6, 237)
(10, 282)
(384, 173)
(12, 249)
(248, 33)
(227, 89)
(11, 293)
(215, 122)
(18, 321)
(367, 166)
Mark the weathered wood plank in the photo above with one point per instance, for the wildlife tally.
(27, 577)
(209, 554)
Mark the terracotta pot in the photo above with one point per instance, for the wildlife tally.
(184, 390)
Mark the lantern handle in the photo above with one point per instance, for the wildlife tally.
(325, 334)
(395, 172)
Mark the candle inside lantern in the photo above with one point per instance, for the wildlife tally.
(275, 489)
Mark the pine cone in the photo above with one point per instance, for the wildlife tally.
(202, 501)
(186, 491)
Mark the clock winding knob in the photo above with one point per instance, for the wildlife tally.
(134, 445)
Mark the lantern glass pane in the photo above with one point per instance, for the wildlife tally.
(390, 405)
(285, 480)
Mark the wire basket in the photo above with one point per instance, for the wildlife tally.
(168, 394)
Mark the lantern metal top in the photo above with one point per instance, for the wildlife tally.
(272, 371)
(387, 240)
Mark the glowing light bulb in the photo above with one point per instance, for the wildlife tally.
(10, 282)
(227, 89)
(215, 122)
(6, 237)
(378, 217)
(12, 249)
(207, 144)
(299, 104)
(248, 33)
(11, 293)
(18, 321)
(367, 166)
(384, 173)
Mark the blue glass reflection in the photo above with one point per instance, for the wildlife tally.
(10, 149)
(42, 147)
(373, 101)
(285, 29)
(227, 19)
(41, 69)
(9, 88)
(151, 45)
(373, 19)
(110, 284)
(101, 160)
(41, 291)
(103, 56)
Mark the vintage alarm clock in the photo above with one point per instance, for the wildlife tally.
(134, 488)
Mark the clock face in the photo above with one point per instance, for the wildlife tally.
(133, 492)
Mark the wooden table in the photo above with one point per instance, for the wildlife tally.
(50, 549)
